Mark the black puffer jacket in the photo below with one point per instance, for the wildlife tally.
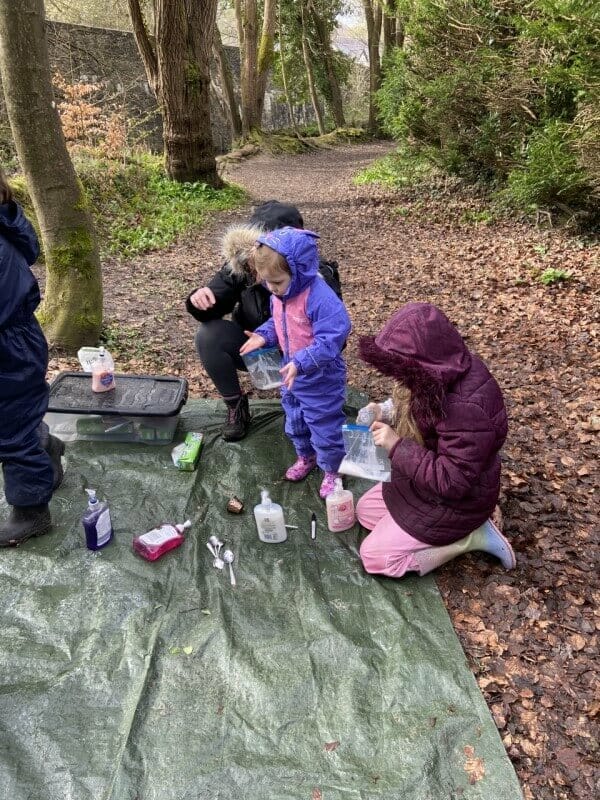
(248, 303)
(234, 286)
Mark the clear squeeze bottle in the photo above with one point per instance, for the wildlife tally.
(269, 520)
(340, 508)
(96, 522)
(158, 541)
(103, 372)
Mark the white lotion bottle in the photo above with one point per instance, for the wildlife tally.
(340, 508)
(269, 520)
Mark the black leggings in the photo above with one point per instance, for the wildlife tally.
(218, 344)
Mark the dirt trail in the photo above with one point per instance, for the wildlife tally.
(531, 635)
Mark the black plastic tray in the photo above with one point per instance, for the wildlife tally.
(133, 395)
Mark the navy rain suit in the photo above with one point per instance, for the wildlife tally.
(310, 324)
(27, 468)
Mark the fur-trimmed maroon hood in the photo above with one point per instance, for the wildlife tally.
(420, 348)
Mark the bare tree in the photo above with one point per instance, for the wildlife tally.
(71, 313)
(227, 85)
(326, 52)
(177, 66)
(256, 57)
(284, 78)
(373, 17)
(310, 75)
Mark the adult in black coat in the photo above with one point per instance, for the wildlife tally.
(30, 456)
(234, 290)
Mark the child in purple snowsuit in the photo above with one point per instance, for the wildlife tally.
(310, 324)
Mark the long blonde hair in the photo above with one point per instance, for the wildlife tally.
(404, 423)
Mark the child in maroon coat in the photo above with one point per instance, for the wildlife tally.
(443, 432)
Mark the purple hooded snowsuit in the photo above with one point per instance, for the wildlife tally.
(310, 324)
(441, 491)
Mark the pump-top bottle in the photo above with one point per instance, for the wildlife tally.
(96, 522)
(269, 520)
(158, 541)
(340, 508)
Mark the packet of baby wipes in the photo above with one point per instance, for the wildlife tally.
(185, 456)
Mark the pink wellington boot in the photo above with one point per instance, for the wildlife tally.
(328, 485)
(301, 468)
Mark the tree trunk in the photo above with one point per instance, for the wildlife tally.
(247, 19)
(144, 44)
(373, 19)
(235, 120)
(71, 313)
(399, 30)
(389, 34)
(310, 77)
(178, 70)
(184, 38)
(284, 76)
(337, 106)
(266, 54)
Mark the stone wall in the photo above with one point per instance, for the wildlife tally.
(110, 59)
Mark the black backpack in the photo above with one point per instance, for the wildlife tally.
(330, 271)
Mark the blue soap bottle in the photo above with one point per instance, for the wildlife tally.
(96, 522)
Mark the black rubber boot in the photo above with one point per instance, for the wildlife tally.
(55, 448)
(23, 523)
(238, 419)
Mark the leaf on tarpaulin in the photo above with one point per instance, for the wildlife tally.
(474, 766)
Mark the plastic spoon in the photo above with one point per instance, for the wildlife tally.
(212, 549)
(229, 556)
(218, 563)
(217, 544)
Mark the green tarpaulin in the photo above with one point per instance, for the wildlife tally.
(128, 680)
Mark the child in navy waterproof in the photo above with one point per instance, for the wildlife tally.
(310, 324)
(30, 456)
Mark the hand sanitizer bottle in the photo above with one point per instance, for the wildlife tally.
(158, 541)
(269, 520)
(340, 508)
(96, 522)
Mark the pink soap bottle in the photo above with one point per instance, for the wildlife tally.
(158, 541)
(340, 508)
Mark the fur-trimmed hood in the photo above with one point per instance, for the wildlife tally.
(421, 348)
(239, 240)
(236, 246)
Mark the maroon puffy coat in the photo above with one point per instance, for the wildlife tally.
(443, 490)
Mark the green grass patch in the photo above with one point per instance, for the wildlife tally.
(397, 170)
(551, 276)
(475, 218)
(136, 208)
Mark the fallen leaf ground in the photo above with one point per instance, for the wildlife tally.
(531, 635)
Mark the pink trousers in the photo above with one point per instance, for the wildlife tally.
(388, 549)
